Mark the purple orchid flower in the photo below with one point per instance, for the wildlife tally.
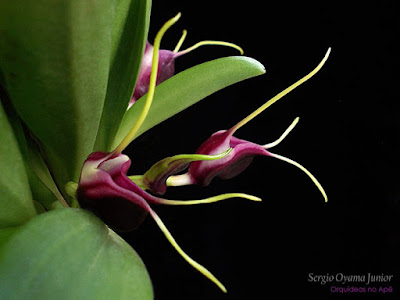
(166, 69)
(203, 172)
(105, 189)
(166, 65)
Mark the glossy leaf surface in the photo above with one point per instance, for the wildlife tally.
(187, 88)
(16, 205)
(70, 254)
(55, 59)
(131, 24)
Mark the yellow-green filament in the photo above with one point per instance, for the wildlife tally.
(283, 136)
(296, 164)
(281, 94)
(210, 199)
(152, 85)
(198, 157)
(193, 263)
(218, 43)
(181, 40)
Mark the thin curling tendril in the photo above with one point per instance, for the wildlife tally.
(281, 94)
(203, 43)
(210, 199)
(193, 263)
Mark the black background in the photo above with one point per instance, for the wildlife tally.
(348, 137)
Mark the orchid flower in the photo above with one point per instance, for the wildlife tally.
(202, 172)
(166, 64)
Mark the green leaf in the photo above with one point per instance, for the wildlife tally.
(70, 254)
(16, 204)
(43, 188)
(6, 234)
(188, 87)
(55, 59)
(131, 25)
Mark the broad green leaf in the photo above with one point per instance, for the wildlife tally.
(44, 193)
(6, 234)
(188, 87)
(55, 59)
(16, 205)
(131, 24)
(43, 188)
(70, 254)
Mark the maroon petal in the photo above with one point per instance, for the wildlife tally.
(166, 69)
(203, 172)
(105, 189)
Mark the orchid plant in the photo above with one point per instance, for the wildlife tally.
(77, 89)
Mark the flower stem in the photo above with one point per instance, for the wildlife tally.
(152, 85)
(296, 164)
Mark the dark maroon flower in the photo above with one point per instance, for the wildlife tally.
(166, 68)
(202, 172)
(243, 152)
(166, 65)
(105, 189)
